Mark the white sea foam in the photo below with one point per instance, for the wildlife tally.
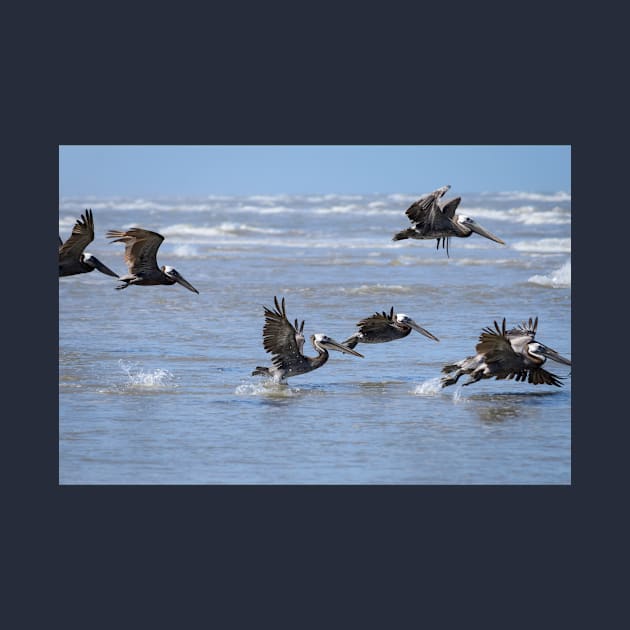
(268, 199)
(337, 209)
(560, 278)
(223, 229)
(66, 222)
(527, 215)
(267, 210)
(186, 251)
(518, 195)
(115, 204)
(370, 289)
(488, 261)
(546, 245)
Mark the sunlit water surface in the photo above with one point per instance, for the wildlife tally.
(155, 383)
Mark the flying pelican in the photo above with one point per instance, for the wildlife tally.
(140, 255)
(382, 327)
(429, 220)
(507, 354)
(285, 341)
(72, 258)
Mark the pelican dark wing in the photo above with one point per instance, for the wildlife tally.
(448, 209)
(496, 347)
(285, 342)
(140, 249)
(282, 339)
(377, 323)
(383, 327)
(141, 257)
(527, 329)
(540, 376)
(432, 221)
(507, 354)
(377, 328)
(73, 259)
(82, 235)
(420, 210)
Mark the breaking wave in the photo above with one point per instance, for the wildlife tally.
(223, 229)
(527, 215)
(544, 245)
(371, 289)
(518, 195)
(560, 278)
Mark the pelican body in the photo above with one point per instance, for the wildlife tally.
(383, 327)
(72, 257)
(141, 258)
(285, 342)
(507, 354)
(430, 220)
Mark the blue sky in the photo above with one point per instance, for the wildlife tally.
(189, 171)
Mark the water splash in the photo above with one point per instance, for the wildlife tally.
(138, 378)
(266, 387)
(428, 388)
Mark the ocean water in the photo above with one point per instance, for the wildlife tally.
(155, 383)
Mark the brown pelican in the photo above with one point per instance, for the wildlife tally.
(432, 221)
(72, 258)
(285, 341)
(507, 354)
(140, 255)
(382, 327)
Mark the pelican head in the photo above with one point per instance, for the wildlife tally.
(324, 342)
(405, 320)
(473, 226)
(95, 263)
(542, 353)
(173, 274)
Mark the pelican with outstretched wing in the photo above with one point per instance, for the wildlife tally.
(141, 257)
(73, 258)
(383, 327)
(285, 342)
(441, 222)
(507, 354)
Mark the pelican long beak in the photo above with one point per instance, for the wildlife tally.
(554, 356)
(331, 344)
(102, 268)
(186, 284)
(475, 227)
(421, 330)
